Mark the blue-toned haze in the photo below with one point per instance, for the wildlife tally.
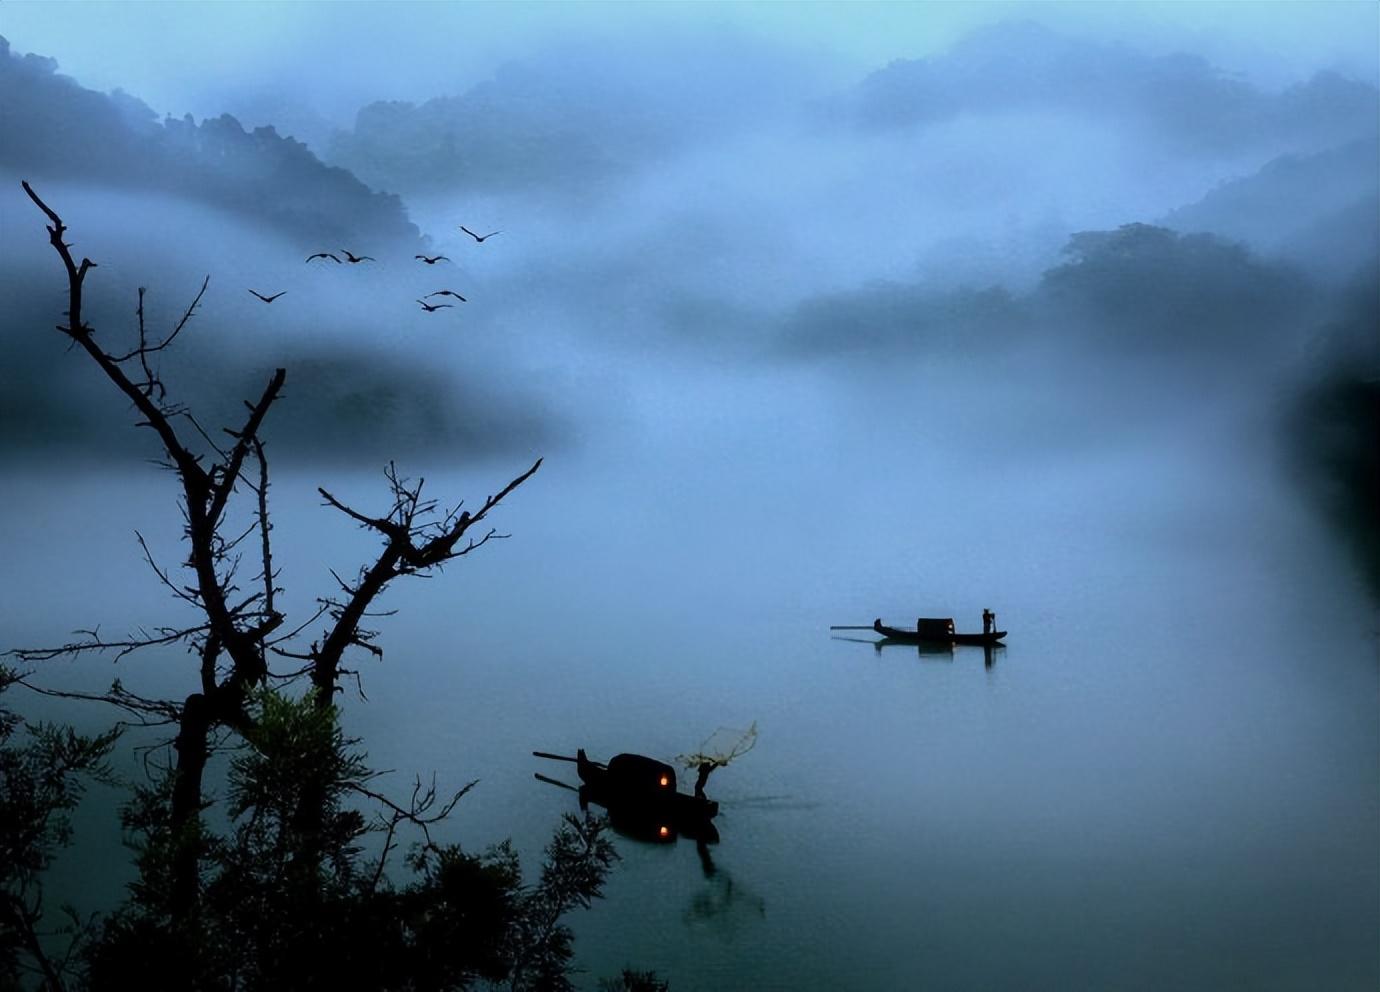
(816, 312)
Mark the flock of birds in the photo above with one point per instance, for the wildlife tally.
(354, 259)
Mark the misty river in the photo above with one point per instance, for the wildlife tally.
(1166, 779)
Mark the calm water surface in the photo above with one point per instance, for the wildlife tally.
(1168, 779)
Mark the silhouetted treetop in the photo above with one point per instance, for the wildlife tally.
(1153, 286)
(52, 127)
(1139, 287)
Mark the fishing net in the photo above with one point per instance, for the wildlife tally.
(721, 747)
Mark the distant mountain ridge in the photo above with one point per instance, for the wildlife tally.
(51, 127)
(574, 120)
(1016, 66)
(580, 121)
(1136, 290)
(1319, 210)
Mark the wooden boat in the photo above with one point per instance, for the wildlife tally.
(636, 779)
(641, 797)
(935, 631)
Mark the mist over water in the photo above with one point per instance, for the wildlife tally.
(1166, 773)
(799, 355)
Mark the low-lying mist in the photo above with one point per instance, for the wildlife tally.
(370, 372)
(1037, 213)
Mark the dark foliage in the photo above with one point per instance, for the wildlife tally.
(1334, 427)
(1150, 288)
(303, 903)
(43, 770)
(634, 981)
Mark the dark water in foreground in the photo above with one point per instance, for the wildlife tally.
(1168, 779)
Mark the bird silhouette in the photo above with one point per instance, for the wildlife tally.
(433, 259)
(480, 238)
(268, 299)
(324, 254)
(433, 307)
(352, 259)
(448, 292)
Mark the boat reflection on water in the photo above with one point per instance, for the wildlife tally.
(927, 650)
(939, 652)
(723, 904)
(652, 824)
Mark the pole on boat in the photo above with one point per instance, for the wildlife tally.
(851, 627)
(553, 757)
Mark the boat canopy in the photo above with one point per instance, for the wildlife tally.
(932, 627)
(638, 772)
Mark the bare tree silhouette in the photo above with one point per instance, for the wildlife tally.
(238, 632)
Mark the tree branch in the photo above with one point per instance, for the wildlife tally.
(264, 526)
(118, 696)
(245, 438)
(94, 643)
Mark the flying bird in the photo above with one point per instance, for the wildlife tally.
(324, 254)
(267, 299)
(480, 238)
(433, 259)
(433, 307)
(352, 259)
(447, 292)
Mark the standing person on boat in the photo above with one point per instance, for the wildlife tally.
(989, 621)
(705, 767)
(718, 750)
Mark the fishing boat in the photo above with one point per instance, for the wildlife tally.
(935, 631)
(641, 797)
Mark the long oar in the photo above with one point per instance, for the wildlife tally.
(551, 781)
(553, 757)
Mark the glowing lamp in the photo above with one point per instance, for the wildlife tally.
(665, 781)
(664, 831)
